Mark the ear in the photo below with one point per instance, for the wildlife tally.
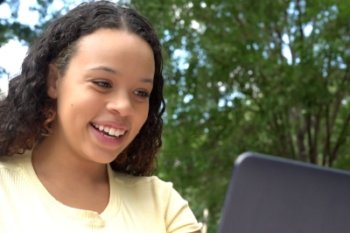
(52, 82)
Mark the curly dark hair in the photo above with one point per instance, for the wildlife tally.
(25, 111)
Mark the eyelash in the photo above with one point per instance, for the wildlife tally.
(142, 94)
(102, 84)
(105, 84)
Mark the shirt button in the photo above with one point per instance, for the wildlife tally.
(94, 220)
(97, 223)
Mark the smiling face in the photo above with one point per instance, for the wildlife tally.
(103, 96)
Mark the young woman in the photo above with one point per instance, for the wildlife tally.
(80, 129)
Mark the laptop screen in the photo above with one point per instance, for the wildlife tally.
(268, 194)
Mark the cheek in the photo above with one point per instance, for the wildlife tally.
(142, 116)
(74, 109)
(146, 114)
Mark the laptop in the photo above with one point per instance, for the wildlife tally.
(268, 194)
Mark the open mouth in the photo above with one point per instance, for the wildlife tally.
(108, 131)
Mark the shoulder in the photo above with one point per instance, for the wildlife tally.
(146, 184)
(12, 167)
(13, 162)
(150, 192)
(160, 199)
(130, 180)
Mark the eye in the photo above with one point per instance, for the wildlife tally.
(142, 93)
(102, 83)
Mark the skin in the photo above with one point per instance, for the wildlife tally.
(107, 83)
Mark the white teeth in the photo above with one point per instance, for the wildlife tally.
(110, 131)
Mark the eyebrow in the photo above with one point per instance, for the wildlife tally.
(105, 68)
(115, 72)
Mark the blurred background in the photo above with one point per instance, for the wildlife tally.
(268, 76)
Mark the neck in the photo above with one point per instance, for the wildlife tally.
(52, 161)
(71, 179)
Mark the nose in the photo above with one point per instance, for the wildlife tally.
(120, 103)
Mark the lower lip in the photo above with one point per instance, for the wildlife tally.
(106, 140)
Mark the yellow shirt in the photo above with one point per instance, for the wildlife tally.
(136, 205)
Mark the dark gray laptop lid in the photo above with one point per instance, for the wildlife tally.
(274, 195)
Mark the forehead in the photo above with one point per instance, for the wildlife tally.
(106, 38)
(119, 49)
